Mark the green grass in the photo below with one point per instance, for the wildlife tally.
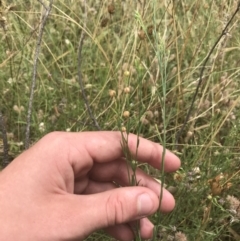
(146, 61)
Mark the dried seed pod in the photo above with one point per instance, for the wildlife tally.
(149, 114)
(127, 90)
(178, 177)
(123, 129)
(141, 34)
(172, 189)
(125, 66)
(126, 114)
(189, 134)
(144, 121)
(156, 113)
(112, 93)
(150, 30)
(216, 189)
(126, 73)
(218, 184)
(111, 8)
(104, 22)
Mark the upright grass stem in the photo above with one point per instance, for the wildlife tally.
(160, 51)
(46, 12)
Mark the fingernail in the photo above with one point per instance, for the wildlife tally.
(145, 205)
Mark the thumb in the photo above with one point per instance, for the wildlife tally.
(110, 208)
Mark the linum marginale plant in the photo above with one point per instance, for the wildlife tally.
(158, 46)
(164, 70)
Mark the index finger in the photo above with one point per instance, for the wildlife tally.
(107, 146)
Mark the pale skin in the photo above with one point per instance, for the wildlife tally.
(66, 186)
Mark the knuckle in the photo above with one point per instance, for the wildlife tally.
(52, 142)
(116, 213)
(55, 138)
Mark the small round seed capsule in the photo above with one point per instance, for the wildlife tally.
(112, 93)
(126, 114)
(123, 129)
(126, 90)
(111, 8)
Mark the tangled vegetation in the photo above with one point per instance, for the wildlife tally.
(138, 65)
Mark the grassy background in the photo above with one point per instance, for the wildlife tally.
(140, 67)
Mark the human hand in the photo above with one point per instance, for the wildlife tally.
(65, 187)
